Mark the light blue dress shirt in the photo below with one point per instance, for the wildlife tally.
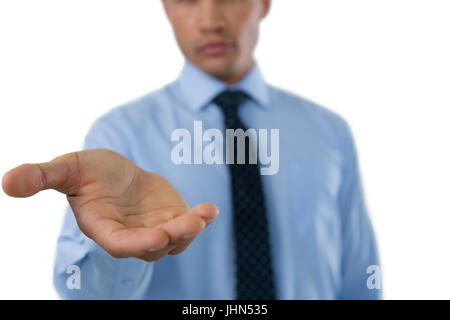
(323, 243)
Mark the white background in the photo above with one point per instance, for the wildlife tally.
(383, 65)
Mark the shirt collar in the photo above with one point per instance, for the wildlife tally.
(199, 88)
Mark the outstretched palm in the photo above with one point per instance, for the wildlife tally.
(128, 211)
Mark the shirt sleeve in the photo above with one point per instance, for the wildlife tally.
(361, 275)
(100, 275)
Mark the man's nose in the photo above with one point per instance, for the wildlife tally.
(211, 16)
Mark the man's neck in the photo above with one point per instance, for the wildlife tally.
(237, 76)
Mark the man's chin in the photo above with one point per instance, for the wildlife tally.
(218, 69)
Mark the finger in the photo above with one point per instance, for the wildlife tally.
(180, 248)
(123, 242)
(184, 227)
(61, 174)
(208, 213)
(153, 255)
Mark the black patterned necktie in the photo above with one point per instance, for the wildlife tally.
(254, 268)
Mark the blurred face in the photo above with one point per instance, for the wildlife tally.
(218, 36)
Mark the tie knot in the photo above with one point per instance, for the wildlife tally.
(230, 99)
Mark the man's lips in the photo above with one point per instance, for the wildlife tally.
(215, 48)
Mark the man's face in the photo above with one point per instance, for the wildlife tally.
(218, 36)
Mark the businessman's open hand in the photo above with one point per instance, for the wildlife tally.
(128, 211)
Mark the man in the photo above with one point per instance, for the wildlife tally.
(138, 200)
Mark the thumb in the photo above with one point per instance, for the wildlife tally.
(60, 174)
